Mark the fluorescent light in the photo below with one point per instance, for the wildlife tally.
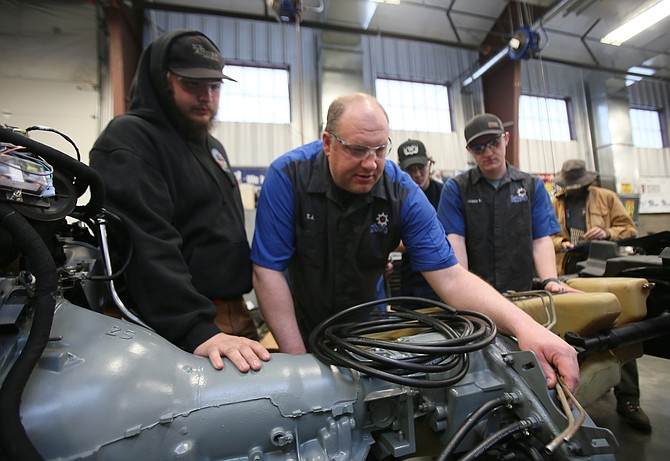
(639, 23)
(641, 70)
(638, 71)
(390, 2)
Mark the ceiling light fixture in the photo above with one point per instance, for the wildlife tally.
(635, 74)
(639, 23)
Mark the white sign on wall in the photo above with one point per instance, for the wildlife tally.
(655, 194)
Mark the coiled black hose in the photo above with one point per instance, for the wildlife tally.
(13, 437)
(349, 343)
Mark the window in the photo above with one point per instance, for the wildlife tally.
(645, 125)
(544, 119)
(415, 106)
(260, 95)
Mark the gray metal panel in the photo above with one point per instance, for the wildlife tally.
(108, 373)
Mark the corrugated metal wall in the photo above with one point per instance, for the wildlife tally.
(554, 80)
(295, 48)
(406, 60)
(562, 81)
(261, 43)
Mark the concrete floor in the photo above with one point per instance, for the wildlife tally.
(655, 401)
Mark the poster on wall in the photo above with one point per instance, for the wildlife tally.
(655, 195)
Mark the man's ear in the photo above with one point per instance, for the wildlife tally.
(326, 137)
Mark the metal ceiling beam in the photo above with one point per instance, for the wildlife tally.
(311, 24)
(553, 11)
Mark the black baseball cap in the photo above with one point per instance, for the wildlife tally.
(412, 152)
(481, 125)
(195, 56)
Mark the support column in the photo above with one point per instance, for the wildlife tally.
(613, 140)
(502, 89)
(125, 46)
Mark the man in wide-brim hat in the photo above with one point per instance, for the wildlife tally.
(574, 175)
(589, 212)
(586, 213)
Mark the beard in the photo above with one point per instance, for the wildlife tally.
(190, 129)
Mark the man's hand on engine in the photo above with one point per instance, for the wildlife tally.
(553, 354)
(245, 353)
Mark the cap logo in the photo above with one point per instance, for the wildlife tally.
(200, 50)
(493, 125)
(410, 150)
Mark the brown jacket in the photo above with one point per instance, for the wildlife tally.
(604, 209)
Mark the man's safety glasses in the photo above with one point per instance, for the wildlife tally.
(481, 147)
(361, 152)
(198, 86)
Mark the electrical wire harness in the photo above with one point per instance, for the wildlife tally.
(365, 345)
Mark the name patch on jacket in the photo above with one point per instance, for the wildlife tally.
(519, 196)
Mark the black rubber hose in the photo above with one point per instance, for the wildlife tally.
(495, 438)
(13, 437)
(349, 344)
(470, 422)
(63, 162)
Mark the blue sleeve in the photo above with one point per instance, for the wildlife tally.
(544, 217)
(274, 235)
(450, 209)
(422, 233)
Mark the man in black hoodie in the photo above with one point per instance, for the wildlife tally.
(171, 182)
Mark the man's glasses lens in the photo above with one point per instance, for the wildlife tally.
(479, 148)
(196, 86)
(360, 151)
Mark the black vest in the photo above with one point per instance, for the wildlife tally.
(342, 246)
(498, 228)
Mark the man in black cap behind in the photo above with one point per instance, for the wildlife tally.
(499, 219)
(586, 213)
(413, 159)
(171, 182)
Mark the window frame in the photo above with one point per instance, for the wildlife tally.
(569, 112)
(390, 108)
(662, 127)
(225, 107)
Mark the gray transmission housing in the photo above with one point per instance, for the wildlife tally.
(107, 389)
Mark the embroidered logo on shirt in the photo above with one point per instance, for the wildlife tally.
(220, 159)
(520, 196)
(474, 200)
(380, 226)
(309, 217)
